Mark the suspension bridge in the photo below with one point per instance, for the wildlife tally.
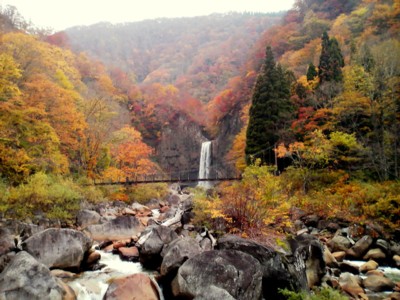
(186, 176)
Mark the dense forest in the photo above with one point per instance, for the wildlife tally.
(316, 91)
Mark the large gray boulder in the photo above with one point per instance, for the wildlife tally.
(360, 247)
(87, 217)
(234, 272)
(7, 243)
(176, 253)
(339, 243)
(58, 248)
(278, 272)
(120, 228)
(152, 243)
(26, 278)
(308, 248)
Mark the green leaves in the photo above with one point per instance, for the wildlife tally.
(270, 110)
(331, 60)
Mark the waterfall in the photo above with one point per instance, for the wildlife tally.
(205, 162)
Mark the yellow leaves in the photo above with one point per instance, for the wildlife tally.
(237, 154)
(9, 74)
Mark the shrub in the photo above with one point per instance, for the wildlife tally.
(142, 193)
(4, 193)
(55, 197)
(207, 209)
(257, 200)
(326, 293)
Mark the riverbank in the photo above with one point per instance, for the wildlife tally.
(166, 250)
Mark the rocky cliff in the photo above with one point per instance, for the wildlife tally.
(179, 148)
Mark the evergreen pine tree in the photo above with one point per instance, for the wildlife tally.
(311, 72)
(269, 111)
(331, 60)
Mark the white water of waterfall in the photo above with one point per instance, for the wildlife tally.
(205, 163)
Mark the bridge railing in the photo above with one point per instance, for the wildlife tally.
(180, 176)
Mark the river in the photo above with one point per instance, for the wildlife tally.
(92, 285)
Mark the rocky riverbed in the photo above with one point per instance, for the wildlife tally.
(172, 259)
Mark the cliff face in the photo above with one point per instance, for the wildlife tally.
(229, 127)
(179, 148)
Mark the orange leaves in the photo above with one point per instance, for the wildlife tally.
(131, 154)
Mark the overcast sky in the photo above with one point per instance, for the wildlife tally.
(61, 14)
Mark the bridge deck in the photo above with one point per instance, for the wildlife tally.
(170, 180)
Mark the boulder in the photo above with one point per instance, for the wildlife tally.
(141, 210)
(310, 249)
(136, 286)
(152, 242)
(349, 267)
(62, 274)
(369, 266)
(394, 296)
(360, 247)
(311, 220)
(206, 244)
(153, 203)
(164, 209)
(7, 243)
(58, 248)
(122, 227)
(26, 278)
(395, 248)
(396, 259)
(129, 253)
(236, 272)
(92, 258)
(187, 204)
(329, 259)
(375, 272)
(128, 211)
(119, 244)
(376, 254)
(277, 272)
(5, 260)
(339, 255)
(214, 293)
(87, 217)
(351, 284)
(24, 230)
(339, 243)
(174, 200)
(378, 283)
(383, 244)
(176, 253)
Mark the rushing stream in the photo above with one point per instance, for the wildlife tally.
(391, 273)
(92, 285)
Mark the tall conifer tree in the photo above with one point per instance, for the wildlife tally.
(269, 110)
(311, 72)
(331, 60)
